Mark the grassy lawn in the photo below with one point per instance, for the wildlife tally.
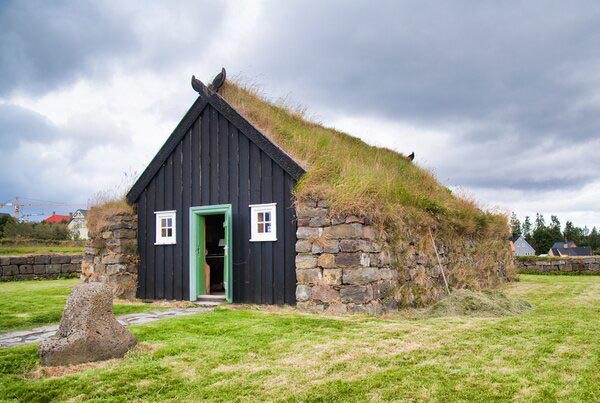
(551, 354)
(40, 249)
(28, 304)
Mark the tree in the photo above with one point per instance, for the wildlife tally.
(584, 234)
(5, 220)
(34, 230)
(527, 229)
(554, 229)
(574, 234)
(540, 222)
(569, 231)
(594, 239)
(542, 235)
(515, 226)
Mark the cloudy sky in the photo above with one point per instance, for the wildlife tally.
(499, 101)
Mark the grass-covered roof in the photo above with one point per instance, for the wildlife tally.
(358, 178)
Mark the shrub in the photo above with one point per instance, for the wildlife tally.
(35, 230)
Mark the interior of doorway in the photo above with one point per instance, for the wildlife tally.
(214, 243)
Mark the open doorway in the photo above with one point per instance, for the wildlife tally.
(214, 242)
(211, 254)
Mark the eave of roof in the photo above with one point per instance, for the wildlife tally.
(206, 97)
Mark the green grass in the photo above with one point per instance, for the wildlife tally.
(29, 304)
(40, 249)
(551, 354)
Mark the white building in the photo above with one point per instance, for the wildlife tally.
(78, 225)
(522, 248)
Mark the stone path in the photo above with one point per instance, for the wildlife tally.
(41, 333)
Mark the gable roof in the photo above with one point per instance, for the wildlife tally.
(522, 246)
(572, 251)
(209, 97)
(57, 218)
(522, 242)
(83, 212)
(564, 245)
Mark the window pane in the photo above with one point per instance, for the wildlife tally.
(261, 217)
(267, 216)
(163, 232)
(268, 227)
(169, 222)
(163, 222)
(261, 228)
(169, 232)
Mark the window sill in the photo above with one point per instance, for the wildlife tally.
(165, 243)
(264, 240)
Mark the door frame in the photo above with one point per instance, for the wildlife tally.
(197, 214)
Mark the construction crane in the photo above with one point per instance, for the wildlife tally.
(17, 205)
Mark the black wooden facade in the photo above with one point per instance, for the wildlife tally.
(214, 157)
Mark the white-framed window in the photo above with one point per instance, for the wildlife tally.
(165, 227)
(263, 222)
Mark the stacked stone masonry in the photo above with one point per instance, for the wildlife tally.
(111, 256)
(578, 265)
(25, 267)
(342, 265)
(345, 265)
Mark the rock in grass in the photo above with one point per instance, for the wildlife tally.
(88, 329)
(478, 304)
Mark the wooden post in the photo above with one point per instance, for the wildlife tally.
(439, 262)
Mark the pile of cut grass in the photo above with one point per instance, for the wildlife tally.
(485, 304)
(360, 179)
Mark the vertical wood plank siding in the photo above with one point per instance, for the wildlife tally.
(215, 163)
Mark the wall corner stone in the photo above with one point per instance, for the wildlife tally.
(111, 256)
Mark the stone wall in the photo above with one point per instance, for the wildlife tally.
(111, 256)
(25, 267)
(573, 265)
(467, 263)
(344, 264)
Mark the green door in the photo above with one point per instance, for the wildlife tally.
(228, 263)
(197, 249)
(201, 254)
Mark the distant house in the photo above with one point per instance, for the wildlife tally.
(522, 248)
(57, 218)
(569, 249)
(78, 225)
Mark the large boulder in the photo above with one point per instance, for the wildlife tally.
(88, 329)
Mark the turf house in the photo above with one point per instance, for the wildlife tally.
(249, 201)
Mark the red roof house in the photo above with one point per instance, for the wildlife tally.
(57, 218)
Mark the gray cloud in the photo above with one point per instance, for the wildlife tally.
(44, 45)
(522, 72)
(45, 161)
(420, 60)
(19, 125)
(515, 85)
